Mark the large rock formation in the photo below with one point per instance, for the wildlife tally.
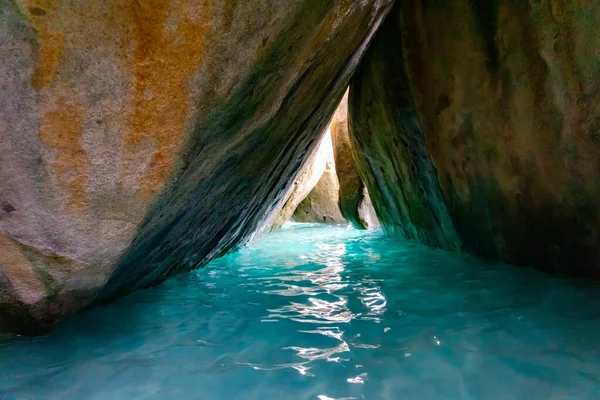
(139, 139)
(321, 204)
(480, 129)
(354, 202)
(389, 150)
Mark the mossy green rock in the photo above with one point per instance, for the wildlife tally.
(479, 128)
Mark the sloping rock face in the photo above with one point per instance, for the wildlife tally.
(308, 178)
(366, 211)
(498, 128)
(389, 149)
(139, 139)
(321, 204)
(354, 202)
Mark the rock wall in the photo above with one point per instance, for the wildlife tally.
(496, 132)
(390, 153)
(321, 203)
(139, 139)
(354, 203)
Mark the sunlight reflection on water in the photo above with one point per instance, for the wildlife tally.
(328, 313)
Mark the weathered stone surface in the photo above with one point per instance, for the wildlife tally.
(507, 93)
(321, 204)
(354, 202)
(390, 154)
(139, 139)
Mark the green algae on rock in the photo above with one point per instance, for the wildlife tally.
(478, 124)
(389, 149)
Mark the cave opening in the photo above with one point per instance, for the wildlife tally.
(320, 307)
(328, 189)
(187, 212)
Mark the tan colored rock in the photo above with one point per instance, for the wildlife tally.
(139, 139)
(366, 212)
(309, 177)
(321, 204)
(354, 202)
(479, 128)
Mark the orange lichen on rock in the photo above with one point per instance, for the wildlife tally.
(164, 59)
(50, 41)
(61, 127)
(168, 39)
(61, 130)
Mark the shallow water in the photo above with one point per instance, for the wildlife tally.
(315, 312)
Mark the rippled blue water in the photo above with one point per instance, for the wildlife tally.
(316, 312)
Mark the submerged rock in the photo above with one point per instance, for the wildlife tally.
(479, 129)
(354, 202)
(321, 204)
(139, 139)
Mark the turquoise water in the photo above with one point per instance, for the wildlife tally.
(315, 312)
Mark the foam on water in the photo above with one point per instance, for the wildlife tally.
(315, 312)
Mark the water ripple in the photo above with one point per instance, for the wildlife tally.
(325, 313)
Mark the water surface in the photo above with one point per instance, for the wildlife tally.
(317, 312)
